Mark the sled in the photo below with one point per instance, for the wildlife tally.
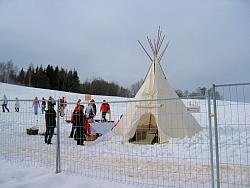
(67, 120)
(32, 131)
(91, 137)
(100, 121)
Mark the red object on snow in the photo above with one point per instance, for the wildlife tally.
(87, 128)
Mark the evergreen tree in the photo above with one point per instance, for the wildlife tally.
(50, 76)
(42, 78)
(56, 72)
(61, 79)
(76, 81)
(21, 76)
(69, 82)
(34, 80)
(28, 76)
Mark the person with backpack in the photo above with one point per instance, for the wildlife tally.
(50, 119)
(105, 108)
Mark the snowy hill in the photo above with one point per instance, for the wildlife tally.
(29, 93)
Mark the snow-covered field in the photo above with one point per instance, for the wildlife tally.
(12, 176)
(179, 163)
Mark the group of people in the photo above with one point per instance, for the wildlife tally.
(50, 113)
(81, 119)
(36, 104)
(5, 103)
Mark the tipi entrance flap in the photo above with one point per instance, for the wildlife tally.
(146, 130)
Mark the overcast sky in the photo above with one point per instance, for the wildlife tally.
(209, 40)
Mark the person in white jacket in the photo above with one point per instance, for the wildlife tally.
(90, 112)
(17, 105)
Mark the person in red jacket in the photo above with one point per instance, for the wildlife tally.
(105, 108)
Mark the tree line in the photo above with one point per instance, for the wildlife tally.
(56, 78)
(61, 79)
(199, 92)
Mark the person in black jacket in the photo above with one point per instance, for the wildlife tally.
(50, 118)
(94, 105)
(79, 124)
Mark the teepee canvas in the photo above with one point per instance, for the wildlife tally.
(156, 109)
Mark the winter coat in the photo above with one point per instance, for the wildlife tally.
(105, 107)
(63, 103)
(79, 119)
(5, 100)
(36, 103)
(90, 113)
(44, 102)
(94, 108)
(50, 117)
(17, 104)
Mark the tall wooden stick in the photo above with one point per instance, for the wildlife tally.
(151, 45)
(145, 50)
(160, 57)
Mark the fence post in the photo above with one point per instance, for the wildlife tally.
(210, 139)
(58, 159)
(216, 139)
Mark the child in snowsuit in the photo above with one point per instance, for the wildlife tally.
(50, 118)
(90, 114)
(17, 105)
(5, 102)
(36, 104)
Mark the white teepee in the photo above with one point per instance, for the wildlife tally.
(150, 110)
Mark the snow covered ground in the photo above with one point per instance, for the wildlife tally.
(12, 176)
(179, 163)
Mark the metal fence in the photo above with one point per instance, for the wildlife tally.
(216, 156)
(232, 135)
(19, 147)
